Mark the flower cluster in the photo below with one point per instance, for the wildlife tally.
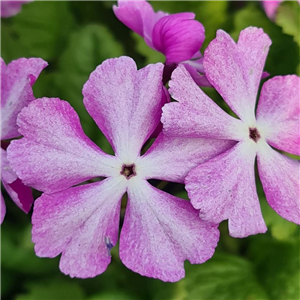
(199, 145)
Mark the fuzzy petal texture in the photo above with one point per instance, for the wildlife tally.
(161, 231)
(2, 209)
(125, 103)
(172, 158)
(280, 177)
(235, 70)
(54, 153)
(11, 8)
(278, 113)
(7, 174)
(178, 37)
(78, 222)
(19, 193)
(17, 79)
(224, 188)
(195, 114)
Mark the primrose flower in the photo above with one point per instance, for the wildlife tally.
(224, 187)
(17, 79)
(81, 221)
(178, 36)
(11, 8)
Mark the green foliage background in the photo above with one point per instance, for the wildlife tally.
(75, 37)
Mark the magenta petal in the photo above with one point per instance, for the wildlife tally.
(17, 79)
(7, 174)
(139, 17)
(271, 8)
(161, 231)
(280, 177)
(54, 153)
(200, 79)
(278, 112)
(20, 194)
(11, 8)
(82, 223)
(224, 188)
(235, 70)
(2, 209)
(178, 37)
(195, 114)
(125, 103)
(171, 158)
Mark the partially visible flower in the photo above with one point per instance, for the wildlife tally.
(81, 221)
(11, 8)
(271, 6)
(178, 36)
(224, 187)
(17, 79)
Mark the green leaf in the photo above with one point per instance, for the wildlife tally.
(87, 48)
(11, 47)
(280, 228)
(62, 289)
(17, 253)
(151, 55)
(283, 56)
(277, 266)
(8, 282)
(42, 27)
(114, 295)
(287, 17)
(223, 277)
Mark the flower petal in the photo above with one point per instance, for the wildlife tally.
(16, 91)
(270, 8)
(280, 177)
(139, 17)
(235, 70)
(55, 153)
(20, 194)
(161, 231)
(278, 113)
(178, 37)
(171, 158)
(81, 222)
(196, 115)
(125, 103)
(2, 209)
(7, 174)
(224, 188)
(11, 8)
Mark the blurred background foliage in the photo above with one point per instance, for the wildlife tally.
(75, 37)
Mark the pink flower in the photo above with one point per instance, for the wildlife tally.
(11, 8)
(224, 187)
(178, 36)
(16, 92)
(271, 6)
(160, 231)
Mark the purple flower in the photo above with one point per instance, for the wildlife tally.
(160, 231)
(178, 36)
(224, 187)
(17, 79)
(11, 8)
